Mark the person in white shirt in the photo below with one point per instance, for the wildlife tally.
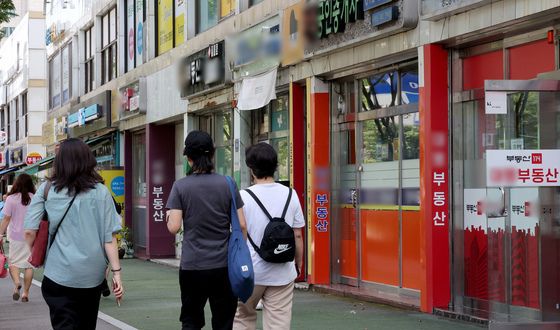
(274, 282)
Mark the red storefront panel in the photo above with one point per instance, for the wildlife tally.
(478, 68)
(380, 246)
(411, 222)
(528, 60)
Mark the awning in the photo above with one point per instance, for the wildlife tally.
(39, 166)
(9, 170)
(258, 91)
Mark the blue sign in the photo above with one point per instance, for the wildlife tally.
(84, 115)
(370, 4)
(139, 37)
(384, 15)
(117, 186)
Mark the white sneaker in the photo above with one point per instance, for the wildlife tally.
(259, 306)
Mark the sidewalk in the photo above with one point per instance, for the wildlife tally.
(152, 301)
(15, 315)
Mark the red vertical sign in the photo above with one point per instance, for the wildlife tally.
(318, 190)
(434, 177)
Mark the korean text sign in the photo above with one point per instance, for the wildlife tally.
(522, 168)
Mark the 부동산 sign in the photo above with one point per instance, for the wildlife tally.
(522, 168)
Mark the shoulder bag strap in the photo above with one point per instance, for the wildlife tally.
(64, 216)
(234, 220)
(258, 201)
(287, 204)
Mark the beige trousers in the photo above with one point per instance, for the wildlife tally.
(277, 308)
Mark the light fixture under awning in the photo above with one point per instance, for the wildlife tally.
(257, 91)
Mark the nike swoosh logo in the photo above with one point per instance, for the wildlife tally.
(278, 251)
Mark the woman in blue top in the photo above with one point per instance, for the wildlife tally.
(76, 260)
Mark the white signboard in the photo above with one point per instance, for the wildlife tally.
(522, 168)
(496, 103)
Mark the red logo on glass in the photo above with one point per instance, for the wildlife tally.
(536, 158)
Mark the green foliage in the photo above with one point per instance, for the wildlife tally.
(7, 11)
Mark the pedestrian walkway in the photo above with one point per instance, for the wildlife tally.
(152, 301)
(15, 315)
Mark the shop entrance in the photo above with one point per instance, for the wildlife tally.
(375, 176)
(505, 144)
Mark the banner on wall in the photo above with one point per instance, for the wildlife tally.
(179, 22)
(131, 38)
(165, 25)
(114, 181)
(139, 31)
(66, 74)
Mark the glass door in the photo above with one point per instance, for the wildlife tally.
(345, 185)
(521, 151)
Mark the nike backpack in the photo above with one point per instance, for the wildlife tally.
(278, 244)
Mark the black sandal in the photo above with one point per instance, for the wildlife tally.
(16, 294)
(24, 299)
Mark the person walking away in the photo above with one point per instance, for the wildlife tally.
(274, 281)
(13, 212)
(201, 203)
(2, 203)
(82, 224)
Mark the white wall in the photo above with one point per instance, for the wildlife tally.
(37, 64)
(164, 99)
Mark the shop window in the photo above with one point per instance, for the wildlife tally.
(409, 86)
(210, 12)
(109, 46)
(54, 81)
(224, 141)
(411, 136)
(381, 140)
(390, 89)
(279, 114)
(254, 2)
(88, 61)
(171, 23)
(380, 91)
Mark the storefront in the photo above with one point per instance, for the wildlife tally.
(91, 120)
(262, 107)
(206, 84)
(363, 160)
(505, 133)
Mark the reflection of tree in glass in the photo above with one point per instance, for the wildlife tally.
(411, 142)
(281, 147)
(377, 86)
(525, 106)
(379, 134)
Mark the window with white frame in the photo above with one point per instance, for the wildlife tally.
(89, 74)
(109, 46)
(54, 81)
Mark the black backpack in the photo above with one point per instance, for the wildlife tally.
(278, 244)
